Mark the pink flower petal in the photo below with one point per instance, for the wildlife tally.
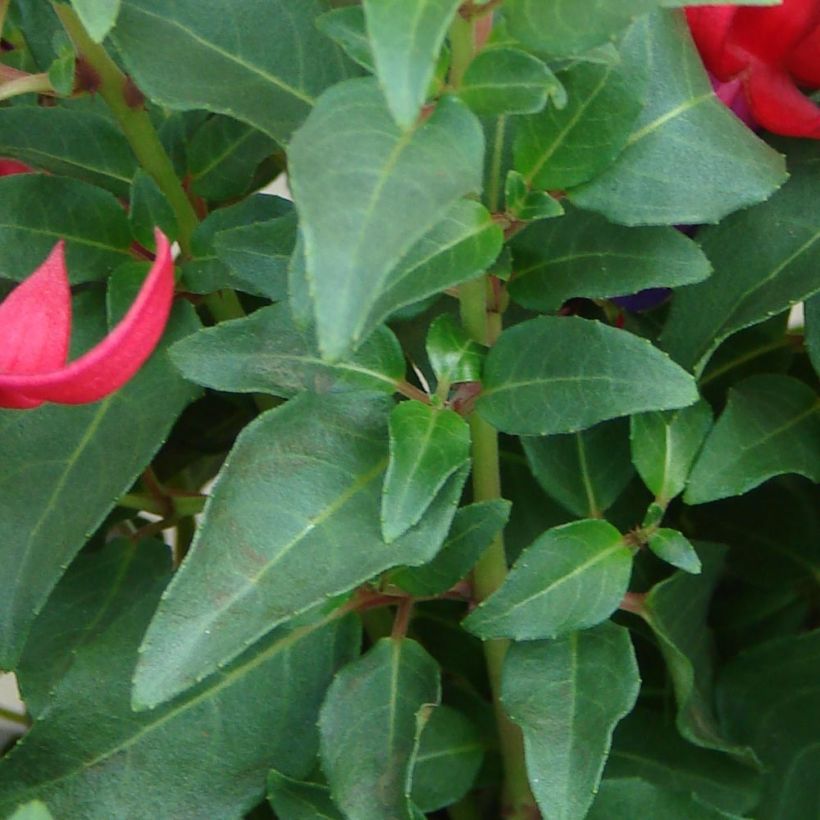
(710, 26)
(804, 61)
(11, 166)
(778, 104)
(110, 364)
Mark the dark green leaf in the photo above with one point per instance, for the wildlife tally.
(223, 155)
(36, 211)
(51, 505)
(771, 425)
(567, 696)
(297, 800)
(572, 577)
(299, 498)
(584, 471)
(370, 724)
(672, 547)
(397, 187)
(676, 610)
(406, 36)
(584, 255)
(769, 698)
(507, 81)
(453, 355)
(562, 374)
(449, 756)
(267, 353)
(473, 528)
(68, 142)
(561, 148)
(631, 797)
(812, 330)
(427, 446)
(98, 16)
(150, 210)
(258, 255)
(688, 159)
(232, 65)
(764, 260)
(664, 447)
(645, 746)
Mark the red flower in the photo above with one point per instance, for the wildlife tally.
(11, 166)
(774, 51)
(35, 326)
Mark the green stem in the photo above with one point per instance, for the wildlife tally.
(462, 48)
(134, 121)
(4, 7)
(491, 569)
(496, 165)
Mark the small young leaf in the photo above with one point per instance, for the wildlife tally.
(449, 757)
(453, 355)
(398, 185)
(672, 547)
(35, 810)
(427, 445)
(567, 696)
(562, 374)
(267, 353)
(346, 27)
(771, 426)
(299, 800)
(664, 447)
(526, 205)
(370, 724)
(507, 81)
(585, 255)
(473, 528)
(406, 36)
(572, 577)
(584, 471)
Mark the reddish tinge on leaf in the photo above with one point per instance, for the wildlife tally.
(12, 166)
(774, 51)
(35, 327)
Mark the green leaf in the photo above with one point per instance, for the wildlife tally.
(267, 353)
(51, 506)
(406, 37)
(204, 755)
(525, 205)
(672, 547)
(571, 577)
(77, 614)
(37, 210)
(536, 383)
(507, 81)
(631, 797)
(298, 800)
(427, 446)
(676, 610)
(370, 724)
(183, 55)
(688, 159)
(398, 186)
(473, 528)
(664, 447)
(449, 756)
(567, 696)
(258, 255)
(769, 697)
(347, 28)
(765, 259)
(98, 16)
(564, 27)
(812, 330)
(62, 71)
(34, 810)
(645, 746)
(585, 255)
(68, 142)
(149, 210)
(223, 155)
(453, 355)
(561, 148)
(771, 426)
(584, 471)
(299, 496)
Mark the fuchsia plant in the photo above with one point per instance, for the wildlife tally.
(394, 513)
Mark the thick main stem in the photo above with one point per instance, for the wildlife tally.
(134, 120)
(491, 570)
